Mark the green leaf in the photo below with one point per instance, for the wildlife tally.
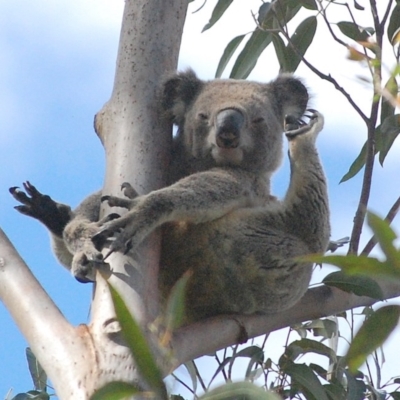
(32, 395)
(228, 53)
(255, 354)
(115, 391)
(303, 346)
(359, 285)
(355, 387)
(138, 345)
(301, 40)
(336, 391)
(385, 236)
(372, 334)
(394, 22)
(395, 395)
(248, 57)
(263, 11)
(175, 308)
(38, 374)
(309, 4)
(217, 13)
(354, 31)
(390, 129)
(358, 6)
(360, 265)
(392, 88)
(357, 165)
(280, 51)
(307, 380)
(321, 327)
(192, 372)
(251, 352)
(239, 390)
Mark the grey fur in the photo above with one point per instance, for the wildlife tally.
(218, 216)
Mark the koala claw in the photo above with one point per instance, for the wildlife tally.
(129, 191)
(315, 118)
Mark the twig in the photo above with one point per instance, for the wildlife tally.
(325, 77)
(386, 15)
(199, 377)
(183, 384)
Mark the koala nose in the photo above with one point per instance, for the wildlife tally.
(229, 122)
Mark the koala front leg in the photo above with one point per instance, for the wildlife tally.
(55, 216)
(198, 198)
(306, 202)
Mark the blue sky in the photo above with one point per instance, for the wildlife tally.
(57, 71)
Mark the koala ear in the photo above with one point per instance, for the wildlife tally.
(290, 95)
(178, 93)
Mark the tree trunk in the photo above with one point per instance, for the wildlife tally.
(136, 140)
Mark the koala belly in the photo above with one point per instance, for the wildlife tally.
(239, 264)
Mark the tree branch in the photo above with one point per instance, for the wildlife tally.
(194, 340)
(57, 344)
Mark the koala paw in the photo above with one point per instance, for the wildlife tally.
(108, 229)
(41, 207)
(123, 242)
(296, 127)
(86, 262)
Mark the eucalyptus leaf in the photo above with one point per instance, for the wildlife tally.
(357, 165)
(115, 391)
(390, 129)
(138, 345)
(248, 57)
(303, 346)
(372, 334)
(301, 40)
(217, 13)
(175, 308)
(354, 31)
(38, 374)
(385, 236)
(227, 54)
(239, 390)
(192, 372)
(304, 376)
(309, 4)
(359, 285)
(360, 265)
(355, 387)
(392, 87)
(394, 22)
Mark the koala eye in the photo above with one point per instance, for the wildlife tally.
(202, 116)
(258, 120)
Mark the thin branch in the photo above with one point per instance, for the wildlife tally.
(370, 157)
(323, 13)
(389, 218)
(386, 15)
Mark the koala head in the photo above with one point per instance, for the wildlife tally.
(233, 122)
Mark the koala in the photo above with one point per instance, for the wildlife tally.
(217, 214)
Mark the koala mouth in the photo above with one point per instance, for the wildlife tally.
(227, 140)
